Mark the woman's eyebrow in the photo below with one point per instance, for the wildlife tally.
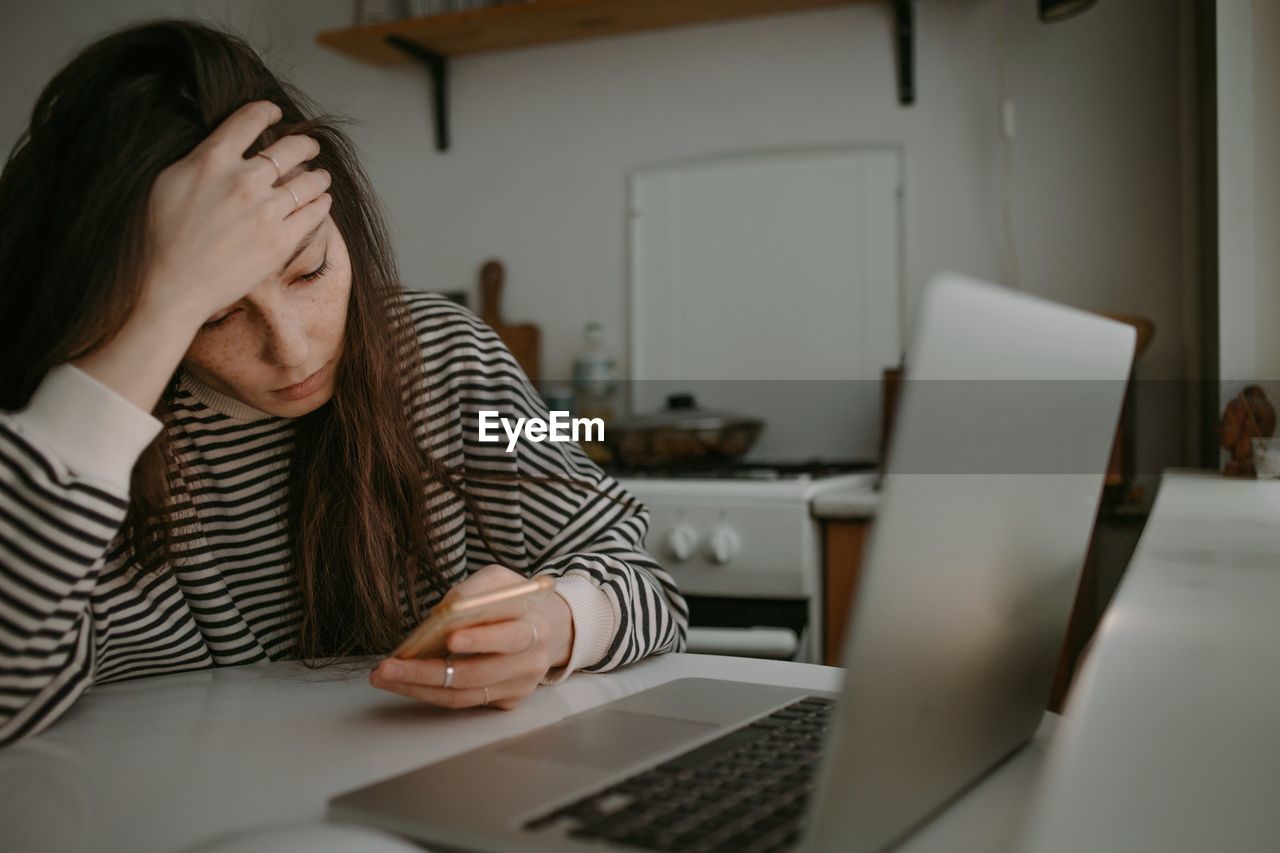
(302, 245)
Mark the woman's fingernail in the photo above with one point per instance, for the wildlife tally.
(392, 670)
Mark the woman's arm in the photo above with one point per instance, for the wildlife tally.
(625, 606)
(575, 522)
(544, 508)
(217, 225)
(65, 462)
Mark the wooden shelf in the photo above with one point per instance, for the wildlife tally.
(518, 25)
(431, 40)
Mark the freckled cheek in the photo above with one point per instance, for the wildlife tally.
(331, 311)
(231, 361)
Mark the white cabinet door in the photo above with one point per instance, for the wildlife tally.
(769, 267)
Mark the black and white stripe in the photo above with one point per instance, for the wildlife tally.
(76, 610)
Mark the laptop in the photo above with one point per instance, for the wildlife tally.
(991, 486)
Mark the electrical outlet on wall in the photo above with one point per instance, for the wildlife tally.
(1008, 119)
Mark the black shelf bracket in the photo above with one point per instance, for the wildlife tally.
(904, 42)
(437, 65)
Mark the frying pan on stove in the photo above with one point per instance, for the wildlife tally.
(681, 434)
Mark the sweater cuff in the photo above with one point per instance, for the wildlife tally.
(593, 625)
(94, 431)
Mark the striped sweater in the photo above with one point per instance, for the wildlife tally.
(75, 611)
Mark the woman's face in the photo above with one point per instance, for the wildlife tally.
(277, 348)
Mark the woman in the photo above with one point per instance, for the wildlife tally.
(228, 436)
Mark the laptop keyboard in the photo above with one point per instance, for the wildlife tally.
(743, 792)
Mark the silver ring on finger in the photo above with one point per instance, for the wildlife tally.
(296, 203)
(448, 676)
(535, 633)
(279, 172)
(486, 696)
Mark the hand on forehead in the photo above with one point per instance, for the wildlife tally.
(293, 173)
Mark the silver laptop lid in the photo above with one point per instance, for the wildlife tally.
(996, 467)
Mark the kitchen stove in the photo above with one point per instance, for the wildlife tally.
(741, 542)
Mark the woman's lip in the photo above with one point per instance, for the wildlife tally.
(302, 389)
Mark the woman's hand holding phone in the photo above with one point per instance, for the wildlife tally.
(504, 660)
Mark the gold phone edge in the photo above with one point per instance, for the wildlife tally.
(407, 650)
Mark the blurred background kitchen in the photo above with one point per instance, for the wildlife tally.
(727, 192)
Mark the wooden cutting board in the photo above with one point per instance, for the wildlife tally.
(523, 339)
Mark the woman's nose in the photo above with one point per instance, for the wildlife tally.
(287, 342)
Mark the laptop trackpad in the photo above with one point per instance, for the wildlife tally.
(610, 739)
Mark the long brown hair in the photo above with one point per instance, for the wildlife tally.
(72, 239)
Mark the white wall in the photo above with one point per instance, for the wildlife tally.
(1236, 142)
(36, 39)
(1266, 58)
(1266, 196)
(1248, 133)
(543, 139)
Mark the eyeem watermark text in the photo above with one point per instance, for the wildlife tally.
(560, 427)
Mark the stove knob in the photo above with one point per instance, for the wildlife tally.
(725, 544)
(682, 541)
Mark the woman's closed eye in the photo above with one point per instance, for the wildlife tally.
(316, 273)
(213, 324)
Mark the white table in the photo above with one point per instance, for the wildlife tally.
(1169, 739)
(163, 763)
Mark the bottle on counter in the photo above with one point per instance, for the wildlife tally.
(595, 377)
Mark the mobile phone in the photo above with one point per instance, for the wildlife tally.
(496, 605)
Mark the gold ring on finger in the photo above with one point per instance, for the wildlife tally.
(486, 696)
(296, 203)
(279, 172)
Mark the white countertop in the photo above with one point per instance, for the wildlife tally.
(163, 763)
(857, 501)
(1169, 739)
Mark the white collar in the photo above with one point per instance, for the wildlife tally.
(219, 402)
